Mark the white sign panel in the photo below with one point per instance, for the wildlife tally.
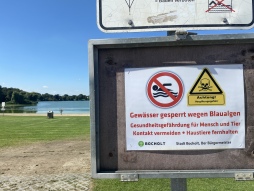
(166, 15)
(3, 104)
(185, 108)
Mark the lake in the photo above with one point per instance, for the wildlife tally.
(68, 107)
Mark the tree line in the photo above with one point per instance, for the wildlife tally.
(17, 96)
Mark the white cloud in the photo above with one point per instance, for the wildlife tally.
(45, 87)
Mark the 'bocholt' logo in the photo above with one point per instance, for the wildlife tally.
(141, 143)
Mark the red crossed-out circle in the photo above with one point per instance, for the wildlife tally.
(174, 100)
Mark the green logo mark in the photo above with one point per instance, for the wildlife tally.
(141, 143)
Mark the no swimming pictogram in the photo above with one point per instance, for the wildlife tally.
(219, 6)
(165, 89)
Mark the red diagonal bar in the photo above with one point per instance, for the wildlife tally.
(232, 10)
(165, 89)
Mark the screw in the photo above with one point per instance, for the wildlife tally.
(225, 21)
(130, 22)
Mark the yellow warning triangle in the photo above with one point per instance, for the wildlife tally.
(206, 84)
(206, 91)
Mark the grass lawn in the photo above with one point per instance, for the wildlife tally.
(204, 184)
(17, 130)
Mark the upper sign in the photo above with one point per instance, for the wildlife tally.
(168, 15)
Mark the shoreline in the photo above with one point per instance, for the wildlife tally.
(44, 114)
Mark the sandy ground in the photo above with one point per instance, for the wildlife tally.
(55, 165)
(46, 158)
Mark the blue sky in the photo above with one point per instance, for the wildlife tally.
(43, 44)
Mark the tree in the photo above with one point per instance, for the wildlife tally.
(80, 97)
(65, 97)
(8, 95)
(32, 97)
(15, 95)
(47, 97)
(17, 98)
(57, 97)
(1, 94)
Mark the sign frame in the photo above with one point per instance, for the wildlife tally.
(130, 26)
(99, 113)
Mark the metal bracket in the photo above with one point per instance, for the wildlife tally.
(244, 176)
(129, 177)
(182, 35)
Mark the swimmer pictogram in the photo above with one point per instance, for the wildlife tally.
(161, 93)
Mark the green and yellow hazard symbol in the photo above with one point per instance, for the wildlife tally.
(206, 91)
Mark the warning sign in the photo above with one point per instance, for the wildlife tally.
(165, 89)
(158, 115)
(206, 91)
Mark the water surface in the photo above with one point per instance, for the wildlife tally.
(67, 107)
